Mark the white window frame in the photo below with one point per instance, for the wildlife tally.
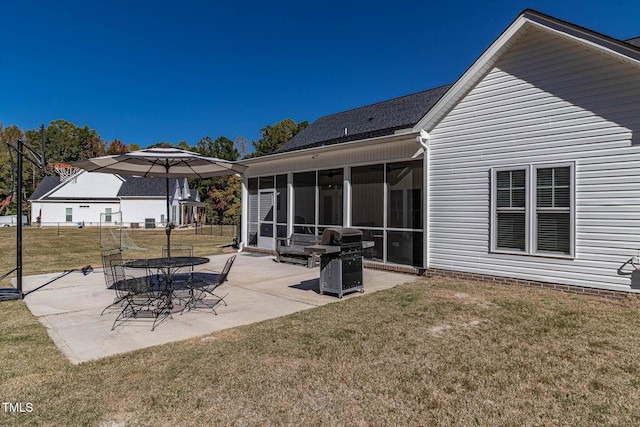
(531, 217)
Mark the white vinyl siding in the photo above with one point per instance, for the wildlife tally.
(546, 101)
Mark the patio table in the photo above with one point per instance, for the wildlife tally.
(168, 267)
(165, 263)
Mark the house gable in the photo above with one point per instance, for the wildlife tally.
(84, 186)
(528, 21)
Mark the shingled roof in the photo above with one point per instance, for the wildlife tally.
(131, 187)
(634, 41)
(375, 120)
(47, 184)
(145, 187)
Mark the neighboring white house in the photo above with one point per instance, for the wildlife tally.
(525, 168)
(89, 198)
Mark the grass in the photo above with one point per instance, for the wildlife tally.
(429, 353)
(53, 249)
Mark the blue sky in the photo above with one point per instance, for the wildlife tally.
(145, 72)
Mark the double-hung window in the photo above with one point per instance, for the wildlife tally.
(511, 209)
(533, 209)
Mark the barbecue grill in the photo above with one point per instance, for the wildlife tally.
(341, 261)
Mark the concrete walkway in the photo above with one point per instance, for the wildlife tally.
(258, 289)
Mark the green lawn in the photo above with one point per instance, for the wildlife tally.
(431, 353)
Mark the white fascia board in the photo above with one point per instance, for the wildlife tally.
(333, 147)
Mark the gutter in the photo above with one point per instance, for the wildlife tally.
(397, 136)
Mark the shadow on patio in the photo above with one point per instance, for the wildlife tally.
(258, 289)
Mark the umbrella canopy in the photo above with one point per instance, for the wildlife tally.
(162, 162)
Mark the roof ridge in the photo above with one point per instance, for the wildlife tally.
(385, 101)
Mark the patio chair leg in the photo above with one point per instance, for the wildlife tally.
(163, 312)
(123, 314)
(113, 304)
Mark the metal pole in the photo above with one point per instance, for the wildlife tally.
(19, 225)
(168, 228)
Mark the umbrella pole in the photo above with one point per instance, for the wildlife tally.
(168, 228)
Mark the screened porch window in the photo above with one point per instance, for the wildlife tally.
(304, 190)
(330, 196)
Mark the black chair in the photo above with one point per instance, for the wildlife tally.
(182, 278)
(109, 255)
(134, 288)
(203, 286)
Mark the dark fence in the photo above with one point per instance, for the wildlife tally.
(223, 230)
(216, 230)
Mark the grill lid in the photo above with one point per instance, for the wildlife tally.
(341, 236)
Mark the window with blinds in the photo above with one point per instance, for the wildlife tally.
(511, 209)
(553, 209)
(532, 209)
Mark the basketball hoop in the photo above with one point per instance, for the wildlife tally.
(65, 171)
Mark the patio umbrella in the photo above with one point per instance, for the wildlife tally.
(162, 162)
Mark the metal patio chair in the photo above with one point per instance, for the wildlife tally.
(203, 286)
(109, 255)
(136, 292)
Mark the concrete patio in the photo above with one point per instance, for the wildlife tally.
(258, 289)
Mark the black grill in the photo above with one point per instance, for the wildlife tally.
(341, 270)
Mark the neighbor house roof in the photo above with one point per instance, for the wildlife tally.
(131, 187)
(145, 187)
(47, 184)
(375, 120)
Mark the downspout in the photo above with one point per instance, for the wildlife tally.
(423, 140)
(244, 215)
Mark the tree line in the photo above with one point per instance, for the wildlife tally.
(66, 142)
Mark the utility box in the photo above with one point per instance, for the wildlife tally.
(149, 223)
